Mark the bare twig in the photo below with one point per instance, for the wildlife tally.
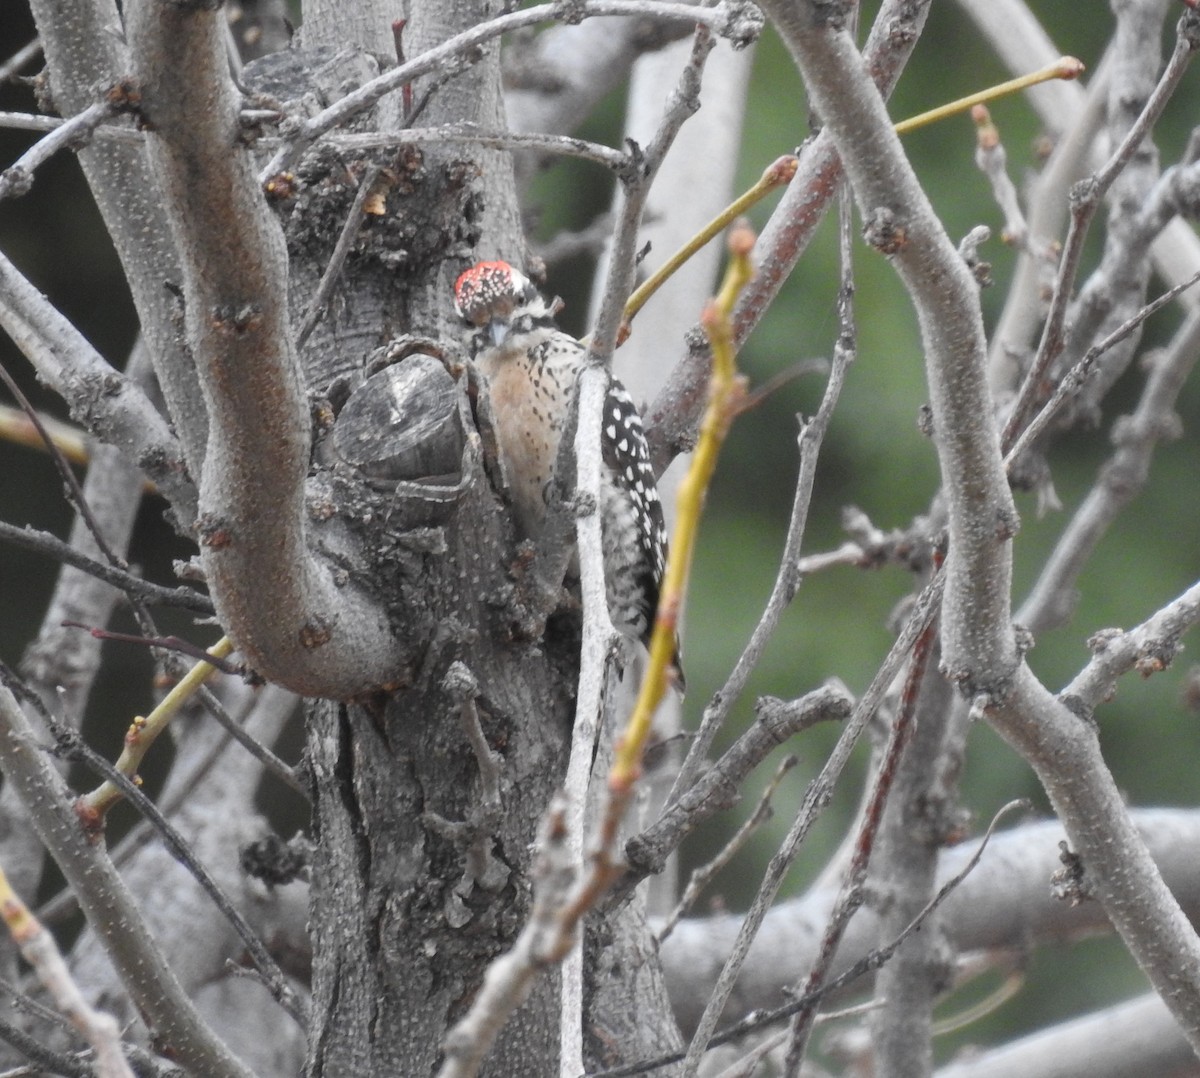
(175, 645)
(16, 427)
(1122, 476)
(720, 786)
(17, 179)
(644, 166)
(10, 67)
(672, 418)
(788, 579)
(121, 413)
(815, 797)
(701, 877)
(147, 592)
(60, 664)
(730, 22)
(726, 394)
(980, 649)
(599, 643)
(1006, 990)
(1064, 67)
(185, 782)
(1121, 872)
(1134, 219)
(143, 732)
(868, 963)
(105, 900)
(71, 744)
(489, 761)
(902, 223)
(43, 1058)
(851, 895)
(1149, 648)
(748, 1064)
(598, 632)
(777, 174)
(922, 818)
(1078, 374)
(70, 483)
(450, 134)
(979, 919)
(1028, 296)
(1086, 200)
(40, 951)
(337, 260)
(558, 145)
(992, 161)
(74, 493)
(272, 764)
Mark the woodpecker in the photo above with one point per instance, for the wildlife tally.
(531, 367)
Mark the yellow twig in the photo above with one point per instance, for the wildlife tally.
(143, 732)
(72, 442)
(1005, 991)
(726, 391)
(22, 925)
(777, 174)
(781, 172)
(1065, 67)
(18, 428)
(39, 949)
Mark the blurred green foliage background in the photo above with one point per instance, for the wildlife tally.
(874, 458)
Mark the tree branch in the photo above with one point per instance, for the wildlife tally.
(278, 602)
(1138, 1036)
(979, 646)
(1065, 752)
(144, 590)
(788, 579)
(1004, 907)
(17, 179)
(979, 649)
(727, 19)
(1086, 200)
(41, 952)
(672, 418)
(555, 78)
(720, 786)
(1014, 32)
(83, 51)
(103, 896)
(103, 399)
(816, 797)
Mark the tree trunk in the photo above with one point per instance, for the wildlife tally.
(418, 882)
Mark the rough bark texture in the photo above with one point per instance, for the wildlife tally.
(416, 884)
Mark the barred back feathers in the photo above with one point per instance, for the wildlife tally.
(531, 367)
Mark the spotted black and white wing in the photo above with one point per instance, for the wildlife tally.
(628, 460)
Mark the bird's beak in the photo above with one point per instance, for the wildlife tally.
(497, 329)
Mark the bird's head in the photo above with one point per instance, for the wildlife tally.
(490, 296)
